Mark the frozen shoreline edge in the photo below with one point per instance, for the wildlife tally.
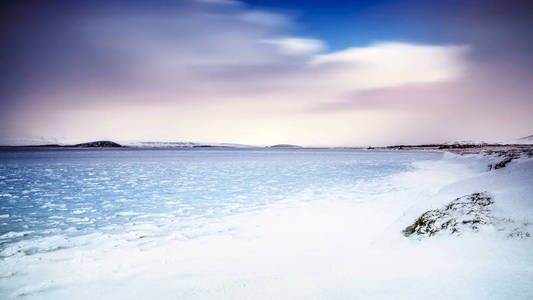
(447, 217)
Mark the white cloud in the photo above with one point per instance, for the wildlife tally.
(391, 64)
(297, 46)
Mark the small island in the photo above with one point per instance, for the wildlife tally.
(94, 144)
(99, 144)
(284, 146)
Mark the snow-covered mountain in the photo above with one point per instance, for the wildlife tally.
(155, 144)
(527, 139)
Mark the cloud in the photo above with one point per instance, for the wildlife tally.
(297, 46)
(265, 18)
(222, 2)
(390, 64)
(200, 52)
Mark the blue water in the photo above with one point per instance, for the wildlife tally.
(80, 191)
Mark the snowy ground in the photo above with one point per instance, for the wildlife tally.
(339, 241)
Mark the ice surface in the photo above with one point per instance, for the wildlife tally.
(253, 224)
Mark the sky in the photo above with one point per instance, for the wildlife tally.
(312, 73)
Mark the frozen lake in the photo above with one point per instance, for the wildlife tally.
(82, 191)
(219, 223)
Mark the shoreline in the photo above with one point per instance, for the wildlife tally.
(493, 196)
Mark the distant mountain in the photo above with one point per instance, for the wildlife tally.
(467, 142)
(162, 144)
(185, 145)
(98, 144)
(285, 146)
(528, 138)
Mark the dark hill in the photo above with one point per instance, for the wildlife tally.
(285, 146)
(98, 144)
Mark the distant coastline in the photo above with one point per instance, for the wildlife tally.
(460, 148)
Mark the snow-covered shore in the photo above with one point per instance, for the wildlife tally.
(319, 244)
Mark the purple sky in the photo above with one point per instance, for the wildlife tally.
(315, 73)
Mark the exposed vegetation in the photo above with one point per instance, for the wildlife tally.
(507, 156)
(464, 213)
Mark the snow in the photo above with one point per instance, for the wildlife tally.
(259, 224)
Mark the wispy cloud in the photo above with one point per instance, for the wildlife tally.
(297, 46)
(390, 64)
